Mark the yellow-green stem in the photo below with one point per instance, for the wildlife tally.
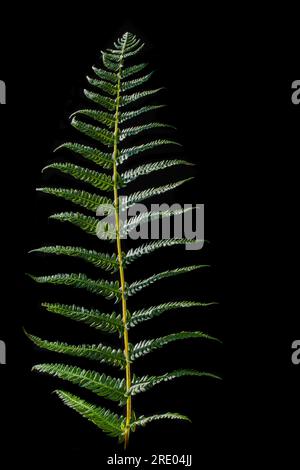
(119, 251)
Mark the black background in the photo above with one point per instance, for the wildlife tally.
(236, 121)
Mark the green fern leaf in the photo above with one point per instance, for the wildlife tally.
(86, 223)
(129, 71)
(94, 155)
(100, 116)
(94, 352)
(105, 75)
(81, 198)
(116, 99)
(104, 86)
(100, 260)
(109, 64)
(100, 384)
(96, 133)
(134, 173)
(111, 423)
(127, 115)
(133, 198)
(130, 131)
(150, 216)
(147, 346)
(127, 42)
(137, 286)
(145, 314)
(129, 152)
(128, 99)
(143, 420)
(133, 52)
(92, 177)
(128, 85)
(147, 248)
(109, 323)
(104, 101)
(108, 289)
(143, 384)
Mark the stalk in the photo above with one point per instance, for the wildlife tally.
(119, 251)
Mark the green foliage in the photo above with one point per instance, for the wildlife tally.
(116, 97)
(111, 423)
(90, 153)
(147, 346)
(139, 316)
(110, 323)
(139, 196)
(81, 198)
(134, 173)
(137, 286)
(137, 149)
(142, 384)
(86, 223)
(109, 289)
(92, 177)
(95, 352)
(148, 248)
(143, 420)
(100, 260)
(100, 384)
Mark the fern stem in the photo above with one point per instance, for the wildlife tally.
(119, 250)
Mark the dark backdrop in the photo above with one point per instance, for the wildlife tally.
(234, 119)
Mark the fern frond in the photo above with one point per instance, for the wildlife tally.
(104, 86)
(94, 155)
(108, 289)
(105, 75)
(133, 52)
(129, 71)
(137, 286)
(150, 216)
(130, 131)
(77, 196)
(143, 384)
(115, 55)
(143, 420)
(109, 62)
(128, 99)
(86, 223)
(104, 101)
(147, 346)
(105, 118)
(136, 150)
(103, 136)
(100, 260)
(117, 99)
(111, 423)
(92, 177)
(145, 314)
(134, 173)
(110, 323)
(94, 352)
(129, 84)
(133, 198)
(127, 43)
(100, 384)
(127, 115)
(148, 248)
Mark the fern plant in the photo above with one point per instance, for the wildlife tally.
(117, 86)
